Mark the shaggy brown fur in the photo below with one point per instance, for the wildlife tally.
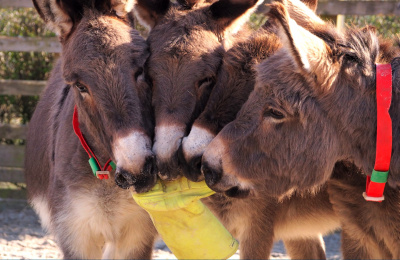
(234, 82)
(100, 73)
(186, 53)
(313, 106)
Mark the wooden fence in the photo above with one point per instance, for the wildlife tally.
(12, 157)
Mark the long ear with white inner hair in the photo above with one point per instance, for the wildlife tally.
(60, 16)
(150, 12)
(303, 12)
(122, 7)
(312, 4)
(311, 55)
(231, 15)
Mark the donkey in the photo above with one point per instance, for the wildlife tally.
(235, 81)
(186, 51)
(308, 111)
(100, 73)
(183, 68)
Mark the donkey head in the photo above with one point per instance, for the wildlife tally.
(235, 81)
(102, 61)
(308, 110)
(185, 45)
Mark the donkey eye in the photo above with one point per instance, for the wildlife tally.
(274, 114)
(138, 73)
(82, 88)
(206, 82)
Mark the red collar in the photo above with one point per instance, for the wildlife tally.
(98, 171)
(376, 182)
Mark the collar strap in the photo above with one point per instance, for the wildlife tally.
(376, 182)
(98, 171)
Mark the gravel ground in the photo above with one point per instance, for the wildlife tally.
(21, 237)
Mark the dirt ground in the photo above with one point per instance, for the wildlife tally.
(21, 237)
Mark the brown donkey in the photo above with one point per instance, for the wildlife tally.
(314, 106)
(99, 73)
(235, 81)
(185, 56)
(186, 52)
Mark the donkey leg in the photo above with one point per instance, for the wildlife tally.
(258, 245)
(256, 235)
(136, 238)
(137, 250)
(79, 249)
(361, 248)
(109, 251)
(306, 248)
(76, 239)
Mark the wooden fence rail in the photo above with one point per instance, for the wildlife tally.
(27, 44)
(11, 157)
(21, 87)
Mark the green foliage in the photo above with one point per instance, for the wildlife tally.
(23, 22)
(257, 20)
(386, 26)
(22, 65)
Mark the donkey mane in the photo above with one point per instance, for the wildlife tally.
(362, 46)
(245, 54)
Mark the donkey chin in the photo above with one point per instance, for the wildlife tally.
(220, 182)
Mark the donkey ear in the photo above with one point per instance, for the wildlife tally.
(311, 55)
(303, 12)
(232, 14)
(149, 12)
(121, 7)
(61, 16)
(188, 4)
(312, 4)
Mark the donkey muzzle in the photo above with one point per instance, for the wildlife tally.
(212, 176)
(141, 182)
(191, 169)
(217, 181)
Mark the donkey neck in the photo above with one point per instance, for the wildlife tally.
(395, 115)
(358, 123)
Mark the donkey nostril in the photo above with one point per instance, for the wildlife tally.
(124, 179)
(212, 177)
(121, 181)
(149, 167)
(196, 162)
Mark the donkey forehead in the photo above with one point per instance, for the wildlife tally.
(104, 36)
(183, 33)
(279, 72)
(281, 85)
(184, 45)
(104, 43)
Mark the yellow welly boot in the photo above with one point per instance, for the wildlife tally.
(187, 227)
